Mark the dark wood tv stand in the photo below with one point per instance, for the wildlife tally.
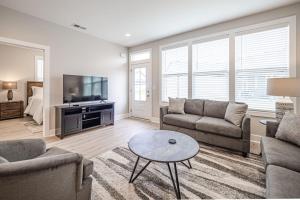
(74, 119)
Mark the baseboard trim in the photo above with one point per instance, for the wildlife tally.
(155, 120)
(121, 116)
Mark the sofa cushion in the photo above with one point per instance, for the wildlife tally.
(280, 153)
(176, 105)
(194, 106)
(180, 120)
(289, 129)
(218, 126)
(87, 164)
(215, 109)
(282, 183)
(235, 113)
(3, 160)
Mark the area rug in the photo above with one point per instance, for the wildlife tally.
(216, 174)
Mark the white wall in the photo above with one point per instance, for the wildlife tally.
(17, 64)
(71, 52)
(257, 129)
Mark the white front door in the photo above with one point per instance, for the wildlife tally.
(141, 105)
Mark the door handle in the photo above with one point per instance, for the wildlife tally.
(148, 93)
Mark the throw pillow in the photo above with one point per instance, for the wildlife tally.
(176, 105)
(235, 113)
(3, 160)
(289, 129)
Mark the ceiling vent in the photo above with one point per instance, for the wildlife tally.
(78, 26)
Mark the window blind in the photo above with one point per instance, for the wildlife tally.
(211, 70)
(174, 73)
(259, 56)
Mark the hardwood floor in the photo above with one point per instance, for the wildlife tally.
(90, 143)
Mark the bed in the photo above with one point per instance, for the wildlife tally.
(34, 107)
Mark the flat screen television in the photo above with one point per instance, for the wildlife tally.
(84, 88)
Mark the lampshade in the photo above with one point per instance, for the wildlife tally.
(289, 87)
(9, 85)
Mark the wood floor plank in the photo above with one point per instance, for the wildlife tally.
(90, 143)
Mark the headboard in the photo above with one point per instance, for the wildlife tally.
(29, 87)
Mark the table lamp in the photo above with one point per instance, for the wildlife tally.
(284, 87)
(9, 85)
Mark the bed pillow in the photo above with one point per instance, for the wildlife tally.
(37, 91)
(289, 129)
(176, 105)
(235, 113)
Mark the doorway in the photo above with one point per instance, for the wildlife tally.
(46, 78)
(141, 84)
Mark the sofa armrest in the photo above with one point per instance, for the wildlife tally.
(163, 111)
(246, 124)
(16, 150)
(272, 128)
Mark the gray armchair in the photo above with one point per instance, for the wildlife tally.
(30, 172)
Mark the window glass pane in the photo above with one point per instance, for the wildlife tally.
(175, 73)
(39, 69)
(140, 84)
(260, 56)
(211, 70)
(140, 56)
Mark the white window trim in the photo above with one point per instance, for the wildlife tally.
(291, 21)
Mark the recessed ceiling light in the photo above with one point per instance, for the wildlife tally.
(127, 35)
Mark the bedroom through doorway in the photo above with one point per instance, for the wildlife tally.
(21, 91)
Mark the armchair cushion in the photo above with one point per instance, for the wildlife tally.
(289, 129)
(16, 150)
(280, 153)
(88, 165)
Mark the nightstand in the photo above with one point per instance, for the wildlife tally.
(11, 109)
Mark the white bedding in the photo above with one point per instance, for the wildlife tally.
(35, 108)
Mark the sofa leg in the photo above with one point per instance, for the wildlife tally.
(245, 155)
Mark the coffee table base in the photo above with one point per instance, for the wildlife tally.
(175, 181)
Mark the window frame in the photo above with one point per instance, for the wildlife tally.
(232, 33)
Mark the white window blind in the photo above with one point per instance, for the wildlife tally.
(211, 70)
(174, 73)
(259, 56)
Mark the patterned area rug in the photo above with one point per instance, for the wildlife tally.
(216, 174)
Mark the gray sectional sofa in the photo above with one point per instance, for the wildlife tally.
(282, 163)
(29, 171)
(204, 121)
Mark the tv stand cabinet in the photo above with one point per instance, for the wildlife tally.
(75, 119)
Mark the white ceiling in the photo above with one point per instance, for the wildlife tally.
(145, 20)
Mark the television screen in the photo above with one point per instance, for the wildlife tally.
(84, 88)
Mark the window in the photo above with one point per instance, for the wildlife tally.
(39, 68)
(134, 57)
(140, 84)
(211, 70)
(259, 56)
(174, 73)
(233, 65)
